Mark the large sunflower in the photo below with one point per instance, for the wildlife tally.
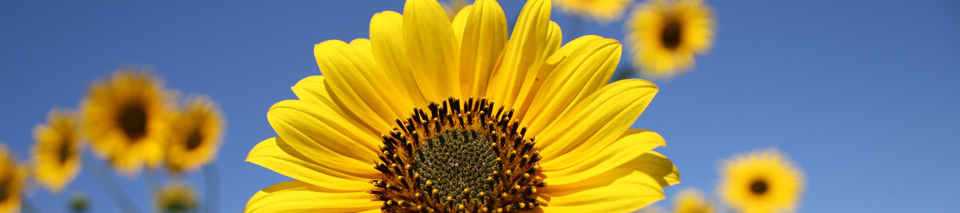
(56, 153)
(125, 119)
(691, 200)
(600, 10)
(761, 181)
(430, 115)
(664, 35)
(196, 135)
(12, 181)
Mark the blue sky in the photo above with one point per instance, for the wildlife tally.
(862, 96)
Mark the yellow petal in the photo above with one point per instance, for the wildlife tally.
(363, 47)
(296, 196)
(625, 193)
(554, 39)
(657, 166)
(629, 147)
(388, 51)
(595, 122)
(523, 53)
(484, 36)
(356, 83)
(275, 154)
(322, 135)
(460, 21)
(582, 67)
(432, 47)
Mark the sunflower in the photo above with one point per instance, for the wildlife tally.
(12, 181)
(57, 150)
(125, 119)
(176, 197)
(665, 34)
(600, 10)
(691, 200)
(195, 135)
(761, 181)
(429, 115)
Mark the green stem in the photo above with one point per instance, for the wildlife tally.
(109, 183)
(26, 206)
(212, 187)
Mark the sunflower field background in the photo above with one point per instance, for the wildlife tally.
(861, 96)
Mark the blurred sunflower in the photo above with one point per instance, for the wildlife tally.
(195, 135)
(56, 152)
(441, 116)
(761, 181)
(665, 34)
(691, 200)
(600, 10)
(176, 197)
(125, 118)
(12, 181)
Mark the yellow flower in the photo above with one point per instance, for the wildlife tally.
(125, 119)
(665, 34)
(195, 135)
(57, 150)
(176, 197)
(691, 200)
(433, 115)
(12, 181)
(601, 10)
(761, 181)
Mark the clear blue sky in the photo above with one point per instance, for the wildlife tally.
(864, 96)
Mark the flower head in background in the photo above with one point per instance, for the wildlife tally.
(761, 181)
(195, 136)
(125, 119)
(601, 10)
(664, 35)
(434, 115)
(12, 181)
(57, 151)
(691, 200)
(176, 197)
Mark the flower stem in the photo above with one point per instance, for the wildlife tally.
(109, 183)
(212, 187)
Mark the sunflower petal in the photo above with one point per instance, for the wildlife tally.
(275, 154)
(460, 21)
(484, 37)
(322, 135)
(432, 47)
(629, 147)
(629, 191)
(524, 52)
(594, 123)
(353, 80)
(582, 67)
(389, 55)
(296, 196)
(657, 166)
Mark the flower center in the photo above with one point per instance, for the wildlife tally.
(672, 33)
(133, 121)
(458, 158)
(4, 187)
(758, 187)
(457, 164)
(194, 140)
(63, 153)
